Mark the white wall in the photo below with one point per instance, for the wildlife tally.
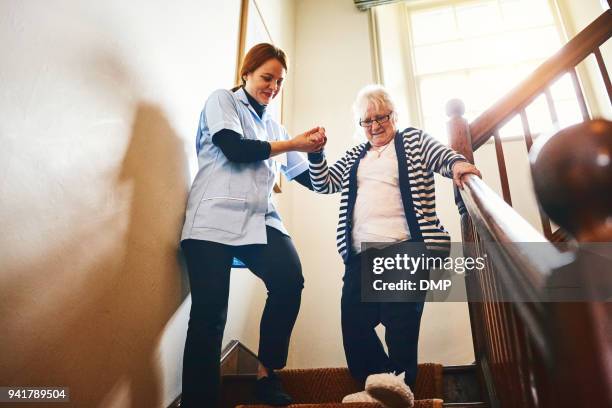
(332, 63)
(99, 103)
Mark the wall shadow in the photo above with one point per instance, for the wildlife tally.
(111, 320)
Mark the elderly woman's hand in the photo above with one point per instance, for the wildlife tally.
(461, 168)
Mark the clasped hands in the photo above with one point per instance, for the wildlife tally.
(310, 141)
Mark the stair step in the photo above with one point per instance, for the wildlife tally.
(460, 384)
(429, 403)
(437, 386)
(417, 404)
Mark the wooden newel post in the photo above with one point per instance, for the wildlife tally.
(572, 176)
(460, 141)
(459, 129)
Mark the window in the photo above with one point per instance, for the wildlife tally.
(477, 51)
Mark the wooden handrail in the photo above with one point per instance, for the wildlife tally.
(577, 49)
(529, 259)
(490, 212)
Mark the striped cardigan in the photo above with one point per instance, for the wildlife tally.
(419, 155)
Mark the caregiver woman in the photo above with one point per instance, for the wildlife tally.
(230, 215)
(388, 195)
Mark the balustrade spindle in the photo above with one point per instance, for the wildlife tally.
(554, 118)
(501, 165)
(604, 72)
(546, 227)
(578, 89)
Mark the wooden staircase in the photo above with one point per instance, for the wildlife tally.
(436, 386)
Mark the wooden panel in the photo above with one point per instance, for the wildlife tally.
(230, 364)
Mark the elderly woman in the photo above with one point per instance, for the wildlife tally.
(388, 195)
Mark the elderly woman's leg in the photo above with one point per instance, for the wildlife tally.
(364, 352)
(402, 322)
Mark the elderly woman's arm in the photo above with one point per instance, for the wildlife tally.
(439, 158)
(325, 179)
(444, 160)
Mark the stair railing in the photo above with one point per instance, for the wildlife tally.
(532, 353)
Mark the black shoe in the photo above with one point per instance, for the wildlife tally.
(269, 390)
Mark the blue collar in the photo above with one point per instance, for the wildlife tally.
(242, 97)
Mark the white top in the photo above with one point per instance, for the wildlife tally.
(379, 213)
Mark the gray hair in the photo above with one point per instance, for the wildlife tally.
(375, 95)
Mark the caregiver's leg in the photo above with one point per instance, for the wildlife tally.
(364, 352)
(278, 265)
(208, 264)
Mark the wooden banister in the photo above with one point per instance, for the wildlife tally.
(521, 271)
(567, 58)
(533, 350)
(536, 352)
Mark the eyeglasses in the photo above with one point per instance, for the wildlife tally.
(379, 119)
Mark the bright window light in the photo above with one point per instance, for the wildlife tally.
(477, 51)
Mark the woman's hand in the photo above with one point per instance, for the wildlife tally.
(462, 167)
(310, 141)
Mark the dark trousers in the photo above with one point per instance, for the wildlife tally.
(209, 264)
(364, 352)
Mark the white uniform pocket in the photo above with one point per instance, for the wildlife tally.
(222, 213)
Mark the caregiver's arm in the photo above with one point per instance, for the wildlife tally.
(242, 150)
(239, 149)
(310, 141)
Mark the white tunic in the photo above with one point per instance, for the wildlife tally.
(231, 203)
